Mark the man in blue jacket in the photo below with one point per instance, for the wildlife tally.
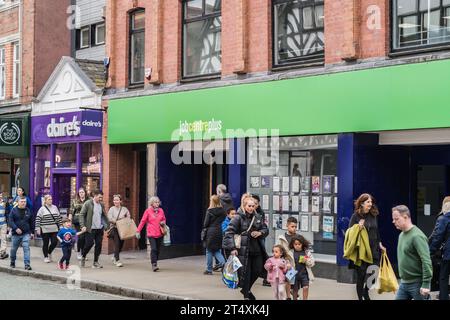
(439, 241)
(20, 221)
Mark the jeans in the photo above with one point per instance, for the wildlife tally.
(95, 236)
(3, 232)
(46, 238)
(409, 291)
(209, 259)
(443, 280)
(67, 253)
(155, 244)
(23, 240)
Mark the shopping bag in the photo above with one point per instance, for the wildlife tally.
(386, 281)
(166, 240)
(230, 272)
(126, 228)
(291, 274)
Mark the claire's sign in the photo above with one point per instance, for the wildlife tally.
(66, 127)
(10, 132)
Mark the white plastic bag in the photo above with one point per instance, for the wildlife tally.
(230, 272)
(166, 240)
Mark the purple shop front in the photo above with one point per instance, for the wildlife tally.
(66, 153)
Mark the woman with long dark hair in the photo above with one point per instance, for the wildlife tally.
(366, 215)
(74, 215)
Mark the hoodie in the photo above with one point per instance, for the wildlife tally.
(226, 201)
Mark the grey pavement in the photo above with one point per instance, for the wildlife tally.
(179, 278)
(27, 288)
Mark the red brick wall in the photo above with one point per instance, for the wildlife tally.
(9, 22)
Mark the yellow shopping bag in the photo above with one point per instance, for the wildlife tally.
(386, 281)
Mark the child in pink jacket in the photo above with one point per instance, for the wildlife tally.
(277, 267)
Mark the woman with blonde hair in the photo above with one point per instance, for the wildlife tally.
(48, 222)
(213, 234)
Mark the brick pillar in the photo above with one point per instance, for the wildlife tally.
(153, 40)
(9, 61)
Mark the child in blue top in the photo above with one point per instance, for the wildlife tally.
(231, 212)
(67, 237)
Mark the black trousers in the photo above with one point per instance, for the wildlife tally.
(118, 244)
(155, 244)
(254, 267)
(95, 236)
(67, 253)
(46, 239)
(443, 279)
(361, 277)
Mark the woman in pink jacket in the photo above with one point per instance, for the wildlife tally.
(156, 220)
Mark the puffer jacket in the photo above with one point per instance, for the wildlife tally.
(213, 224)
(440, 236)
(239, 225)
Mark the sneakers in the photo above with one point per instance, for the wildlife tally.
(97, 265)
(47, 260)
(60, 266)
(113, 260)
(155, 267)
(83, 262)
(50, 257)
(79, 256)
(118, 263)
(12, 265)
(67, 267)
(28, 268)
(4, 255)
(206, 272)
(217, 267)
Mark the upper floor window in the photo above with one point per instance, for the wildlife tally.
(298, 31)
(2, 73)
(85, 37)
(137, 47)
(16, 70)
(419, 23)
(202, 27)
(100, 34)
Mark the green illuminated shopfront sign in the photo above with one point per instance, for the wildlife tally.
(412, 96)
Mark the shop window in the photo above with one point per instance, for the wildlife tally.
(2, 73)
(297, 176)
(298, 32)
(420, 23)
(5, 177)
(92, 165)
(66, 156)
(137, 47)
(42, 169)
(202, 27)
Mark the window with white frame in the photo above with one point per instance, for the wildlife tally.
(16, 71)
(419, 23)
(100, 34)
(84, 38)
(2, 73)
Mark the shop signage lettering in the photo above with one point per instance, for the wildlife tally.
(10, 133)
(63, 129)
(96, 124)
(200, 126)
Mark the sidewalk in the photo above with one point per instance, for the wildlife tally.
(179, 278)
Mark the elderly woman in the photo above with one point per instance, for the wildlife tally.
(48, 222)
(252, 253)
(155, 220)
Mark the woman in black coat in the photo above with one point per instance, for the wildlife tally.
(366, 215)
(213, 237)
(252, 253)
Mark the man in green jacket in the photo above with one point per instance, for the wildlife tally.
(93, 221)
(413, 253)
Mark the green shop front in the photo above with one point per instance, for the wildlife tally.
(308, 147)
(14, 153)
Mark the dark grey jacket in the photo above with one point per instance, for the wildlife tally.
(213, 224)
(239, 225)
(226, 201)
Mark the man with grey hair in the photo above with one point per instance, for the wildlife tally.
(414, 262)
(225, 198)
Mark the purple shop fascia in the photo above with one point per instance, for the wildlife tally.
(64, 146)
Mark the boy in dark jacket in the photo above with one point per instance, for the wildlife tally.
(20, 221)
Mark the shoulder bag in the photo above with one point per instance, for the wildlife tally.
(111, 227)
(238, 237)
(51, 215)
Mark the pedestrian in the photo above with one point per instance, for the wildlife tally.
(413, 255)
(21, 193)
(303, 262)
(3, 228)
(438, 242)
(214, 217)
(20, 222)
(155, 220)
(75, 210)
(277, 267)
(225, 198)
(251, 252)
(366, 216)
(48, 222)
(231, 213)
(116, 213)
(66, 236)
(93, 221)
(284, 240)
